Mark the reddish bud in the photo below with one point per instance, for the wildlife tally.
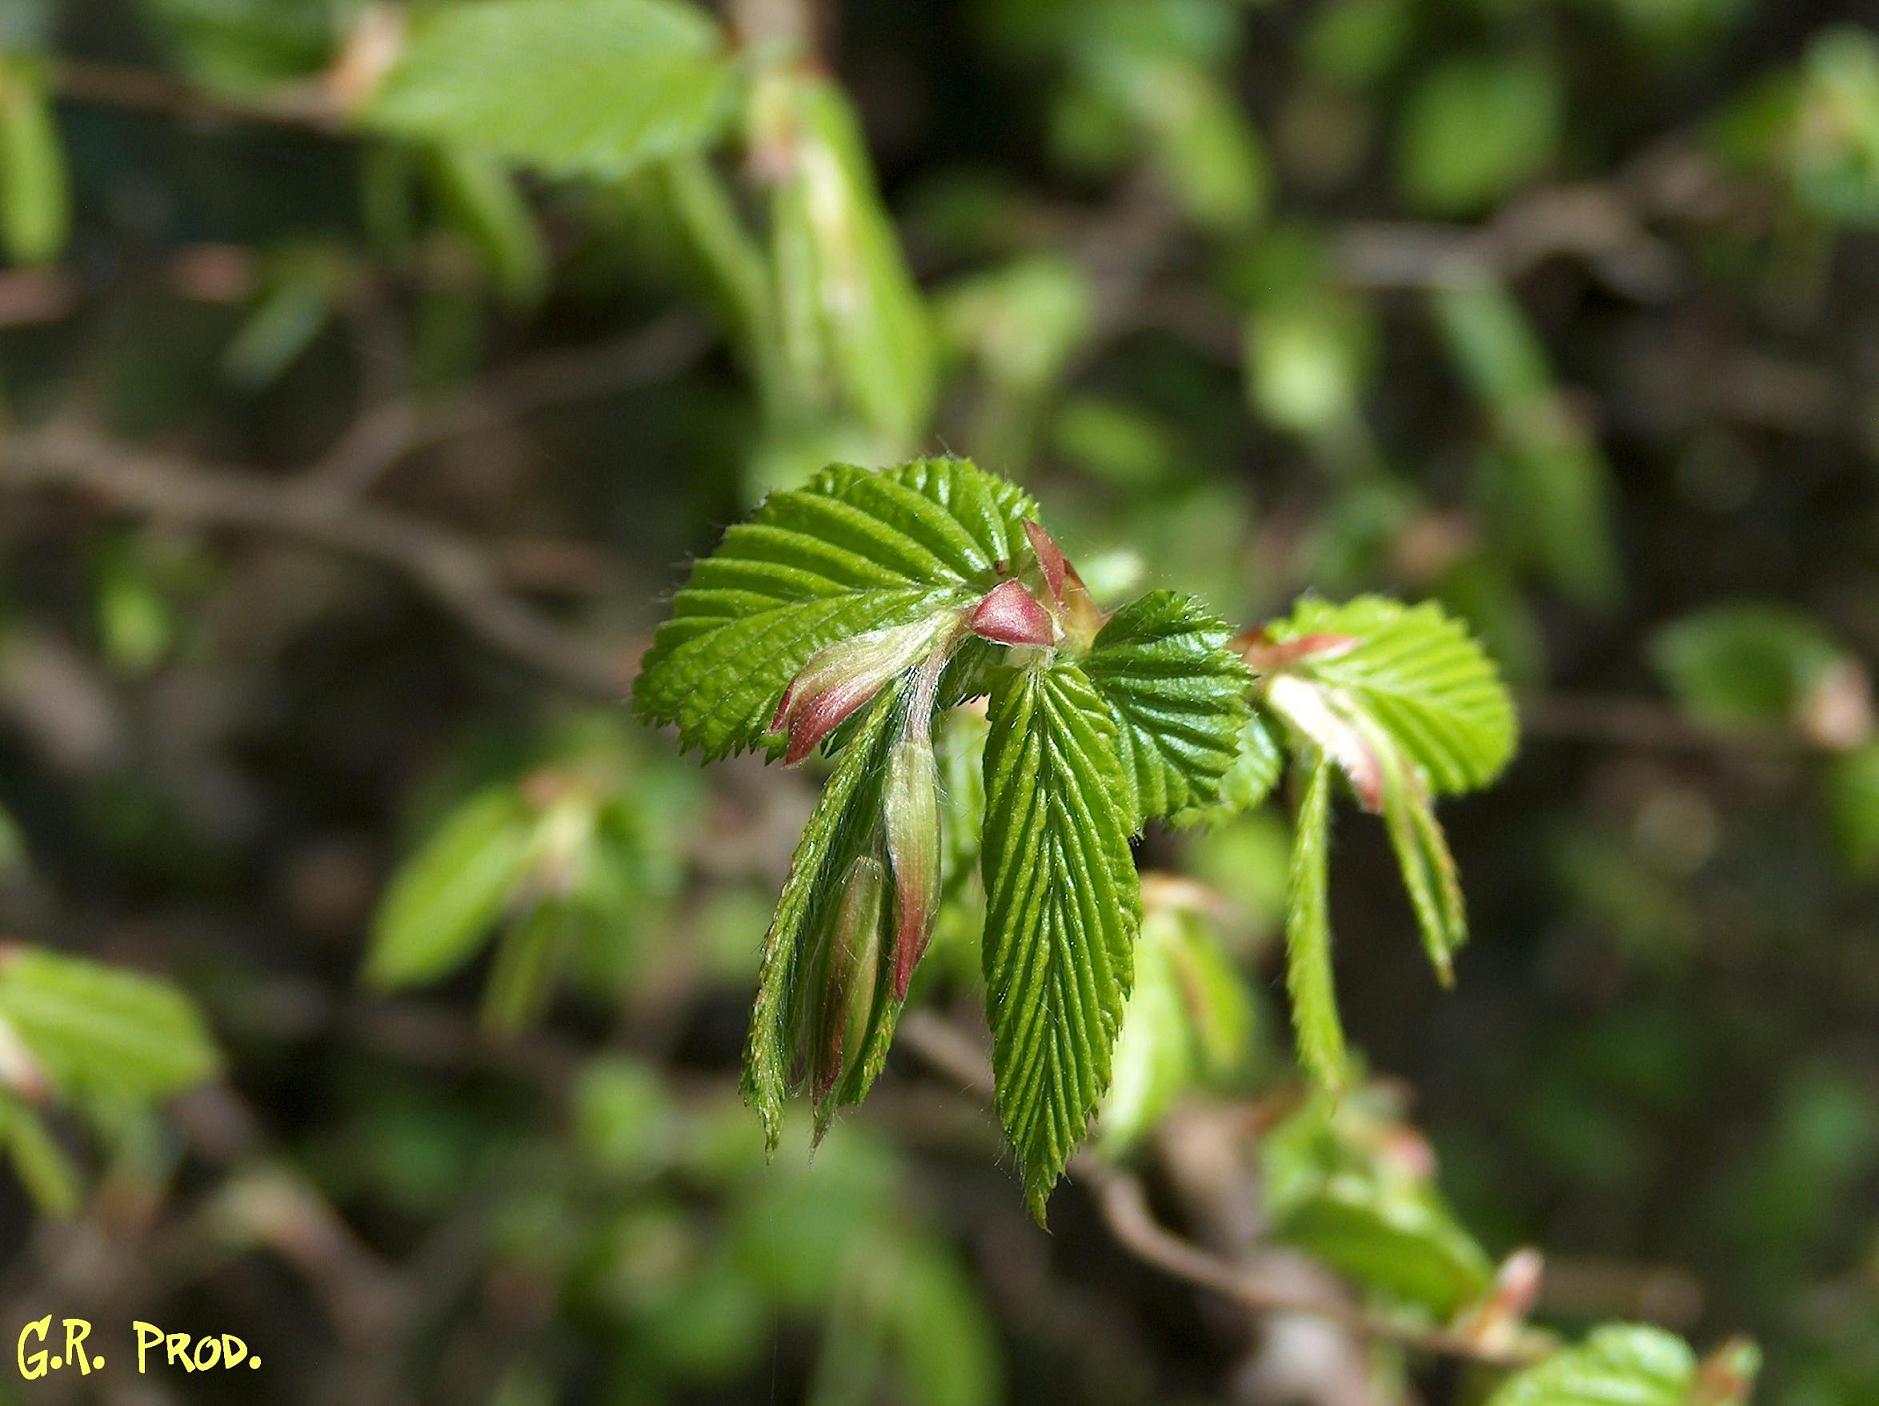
(910, 803)
(849, 981)
(1010, 614)
(1050, 559)
(1727, 1376)
(837, 682)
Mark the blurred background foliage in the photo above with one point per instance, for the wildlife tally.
(370, 369)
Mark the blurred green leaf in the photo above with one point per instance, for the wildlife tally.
(578, 87)
(1744, 664)
(95, 1029)
(447, 895)
(1475, 128)
(1636, 1365)
(850, 318)
(41, 1164)
(483, 204)
(35, 187)
(1188, 1024)
(1853, 802)
(247, 46)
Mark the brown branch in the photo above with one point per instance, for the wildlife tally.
(1641, 724)
(451, 569)
(1125, 1210)
(151, 91)
(396, 429)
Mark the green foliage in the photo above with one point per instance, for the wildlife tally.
(248, 46)
(1308, 976)
(1542, 478)
(35, 194)
(1352, 1186)
(1188, 1026)
(38, 1161)
(1473, 129)
(559, 861)
(91, 1030)
(579, 87)
(1178, 698)
(1063, 909)
(1419, 677)
(1628, 1363)
(1744, 664)
(852, 329)
(1853, 804)
(852, 552)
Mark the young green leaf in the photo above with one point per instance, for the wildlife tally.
(35, 188)
(1619, 1363)
(580, 87)
(92, 1028)
(38, 1161)
(1179, 700)
(1063, 910)
(1396, 1239)
(850, 315)
(1308, 976)
(1256, 769)
(1423, 857)
(1853, 801)
(856, 550)
(1420, 676)
(448, 895)
(842, 829)
(1745, 664)
(1188, 1022)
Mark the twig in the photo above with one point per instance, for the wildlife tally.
(1640, 723)
(1125, 1210)
(449, 568)
(396, 429)
(149, 90)
(1124, 1206)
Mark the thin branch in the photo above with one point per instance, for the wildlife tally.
(1642, 724)
(1125, 1210)
(449, 568)
(152, 91)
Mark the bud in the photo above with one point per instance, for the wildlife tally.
(911, 804)
(840, 680)
(854, 963)
(1265, 656)
(1727, 1376)
(1076, 609)
(1010, 614)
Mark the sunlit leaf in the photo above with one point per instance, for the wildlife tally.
(854, 551)
(1179, 700)
(1063, 909)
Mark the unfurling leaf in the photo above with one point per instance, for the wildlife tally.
(1179, 700)
(1308, 975)
(1063, 909)
(857, 550)
(35, 187)
(1420, 676)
